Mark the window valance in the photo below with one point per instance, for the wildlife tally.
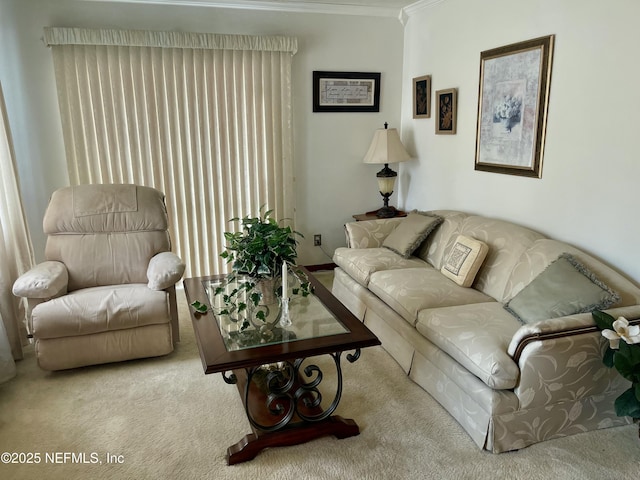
(146, 38)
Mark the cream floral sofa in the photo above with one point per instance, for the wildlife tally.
(509, 384)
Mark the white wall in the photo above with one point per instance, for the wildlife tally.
(331, 182)
(587, 195)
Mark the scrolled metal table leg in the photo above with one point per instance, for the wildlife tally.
(352, 357)
(279, 402)
(291, 395)
(230, 379)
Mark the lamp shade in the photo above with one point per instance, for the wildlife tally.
(386, 147)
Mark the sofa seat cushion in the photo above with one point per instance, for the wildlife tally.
(100, 309)
(477, 336)
(410, 290)
(361, 263)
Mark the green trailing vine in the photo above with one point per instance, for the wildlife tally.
(256, 252)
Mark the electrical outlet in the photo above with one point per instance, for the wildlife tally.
(317, 240)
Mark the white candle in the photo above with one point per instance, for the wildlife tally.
(285, 290)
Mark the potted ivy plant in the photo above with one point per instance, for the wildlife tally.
(259, 249)
(258, 252)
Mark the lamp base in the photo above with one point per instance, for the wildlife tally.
(385, 212)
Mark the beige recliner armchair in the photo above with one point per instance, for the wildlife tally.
(107, 290)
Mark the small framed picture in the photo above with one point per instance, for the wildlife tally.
(422, 97)
(446, 111)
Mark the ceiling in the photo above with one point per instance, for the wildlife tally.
(390, 8)
(398, 4)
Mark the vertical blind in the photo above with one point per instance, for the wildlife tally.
(204, 118)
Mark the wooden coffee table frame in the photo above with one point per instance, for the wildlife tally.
(290, 412)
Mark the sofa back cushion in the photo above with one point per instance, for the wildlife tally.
(435, 248)
(507, 241)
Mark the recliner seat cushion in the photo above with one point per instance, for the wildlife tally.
(410, 290)
(100, 309)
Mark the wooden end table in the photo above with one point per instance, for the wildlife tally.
(277, 382)
(372, 215)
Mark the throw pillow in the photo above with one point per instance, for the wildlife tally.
(464, 260)
(565, 287)
(411, 232)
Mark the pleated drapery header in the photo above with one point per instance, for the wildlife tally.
(146, 38)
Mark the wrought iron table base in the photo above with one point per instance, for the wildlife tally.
(251, 445)
(290, 411)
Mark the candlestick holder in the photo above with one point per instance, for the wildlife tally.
(285, 319)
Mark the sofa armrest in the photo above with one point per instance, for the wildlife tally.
(568, 370)
(370, 233)
(164, 271)
(562, 327)
(46, 280)
(560, 361)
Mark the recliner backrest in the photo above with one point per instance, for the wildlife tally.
(105, 234)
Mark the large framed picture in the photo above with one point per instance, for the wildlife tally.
(346, 92)
(512, 107)
(422, 97)
(446, 111)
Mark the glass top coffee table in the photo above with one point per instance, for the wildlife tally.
(277, 378)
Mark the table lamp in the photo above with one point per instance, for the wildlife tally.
(386, 148)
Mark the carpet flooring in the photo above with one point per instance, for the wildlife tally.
(162, 418)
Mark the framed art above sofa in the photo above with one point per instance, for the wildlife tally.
(512, 107)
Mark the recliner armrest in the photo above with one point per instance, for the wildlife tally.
(46, 280)
(165, 270)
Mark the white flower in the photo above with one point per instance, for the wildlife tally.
(630, 334)
(508, 108)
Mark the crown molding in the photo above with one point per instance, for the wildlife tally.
(410, 10)
(274, 6)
